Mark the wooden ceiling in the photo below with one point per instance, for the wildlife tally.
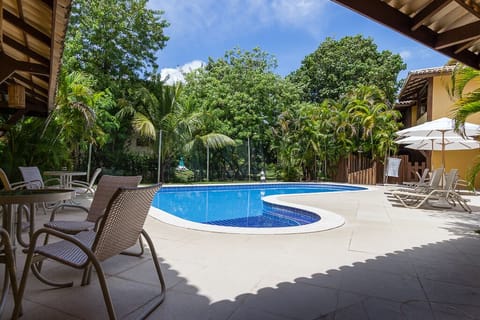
(451, 27)
(31, 46)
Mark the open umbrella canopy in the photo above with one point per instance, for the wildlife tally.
(440, 135)
(443, 127)
(435, 144)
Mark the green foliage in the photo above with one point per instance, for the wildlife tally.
(467, 103)
(184, 176)
(57, 141)
(114, 40)
(242, 97)
(338, 66)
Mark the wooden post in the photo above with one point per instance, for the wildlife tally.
(16, 96)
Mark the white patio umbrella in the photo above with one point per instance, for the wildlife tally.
(443, 127)
(439, 135)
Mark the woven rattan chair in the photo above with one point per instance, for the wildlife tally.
(7, 257)
(119, 229)
(7, 185)
(105, 189)
(83, 187)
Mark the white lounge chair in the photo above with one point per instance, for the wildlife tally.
(415, 199)
(433, 183)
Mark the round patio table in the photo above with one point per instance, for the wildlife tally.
(65, 176)
(9, 200)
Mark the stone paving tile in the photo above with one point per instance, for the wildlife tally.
(386, 262)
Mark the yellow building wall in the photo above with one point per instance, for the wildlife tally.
(443, 106)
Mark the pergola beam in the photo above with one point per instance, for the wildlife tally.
(470, 6)
(393, 18)
(20, 47)
(10, 66)
(458, 35)
(13, 19)
(428, 11)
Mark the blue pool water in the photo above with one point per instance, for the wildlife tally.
(240, 205)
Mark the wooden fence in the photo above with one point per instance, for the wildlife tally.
(357, 169)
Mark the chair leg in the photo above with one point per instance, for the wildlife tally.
(105, 291)
(36, 266)
(10, 270)
(87, 274)
(161, 296)
(23, 282)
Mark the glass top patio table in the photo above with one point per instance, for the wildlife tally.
(28, 197)
(65, 176)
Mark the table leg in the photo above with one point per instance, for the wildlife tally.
(4, 258)
(31, 228)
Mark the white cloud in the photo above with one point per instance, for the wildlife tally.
(173, 75)
(405, 54)
(218, 18)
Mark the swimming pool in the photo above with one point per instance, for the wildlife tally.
(245, 208)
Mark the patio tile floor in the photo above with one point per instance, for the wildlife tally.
(386, 262)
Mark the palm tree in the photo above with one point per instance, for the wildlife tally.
(467, 104)
(74, 119)
(149, 105)
(377, 120)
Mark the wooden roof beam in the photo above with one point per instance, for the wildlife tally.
(465, 46)
(396, 20)
(13, 19)
(16, 65)
(458, 35)
(470, 6)
(30, 83)
(20, 47)
(430, 10)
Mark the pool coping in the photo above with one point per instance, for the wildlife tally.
(329, 220)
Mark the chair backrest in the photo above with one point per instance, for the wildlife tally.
(436, 178)
(4, 179)
(422, 178)
(94, 177)
(123, 220)
(32, 176)
(106, 187)
(451, 179)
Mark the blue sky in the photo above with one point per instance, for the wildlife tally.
(287, 29)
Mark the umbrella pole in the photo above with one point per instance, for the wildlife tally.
(443, 149)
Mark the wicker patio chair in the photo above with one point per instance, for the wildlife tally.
(7, 257)
(119, 229)
(83, 187)
(7, 185)
(105, 189)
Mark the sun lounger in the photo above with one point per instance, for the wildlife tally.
(447, 194)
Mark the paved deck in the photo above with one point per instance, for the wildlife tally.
(386, 262)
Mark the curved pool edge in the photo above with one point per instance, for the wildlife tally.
(328, 219)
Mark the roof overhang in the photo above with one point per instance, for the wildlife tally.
(417, 80)
(31, 46)
(451, 27)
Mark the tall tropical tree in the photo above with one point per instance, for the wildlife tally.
(114, 40)
(338, 66)
(375, 119)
